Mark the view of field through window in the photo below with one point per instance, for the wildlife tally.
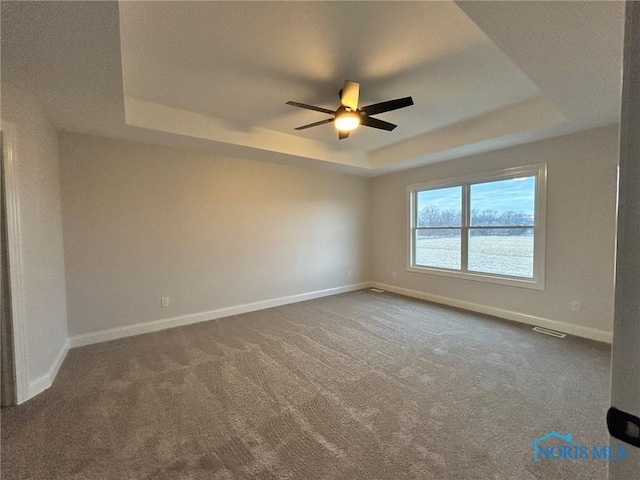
(501, 234)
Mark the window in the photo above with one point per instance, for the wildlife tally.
(487, 227)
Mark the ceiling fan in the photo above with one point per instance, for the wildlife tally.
(348, 116)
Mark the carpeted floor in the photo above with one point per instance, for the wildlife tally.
(355, 386)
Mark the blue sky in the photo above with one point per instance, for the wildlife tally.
(443, 198)
(506, 195)
(516, 194)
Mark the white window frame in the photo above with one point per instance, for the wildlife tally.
(539, 226)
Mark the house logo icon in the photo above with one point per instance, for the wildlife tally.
(567, 439)
(554, 446)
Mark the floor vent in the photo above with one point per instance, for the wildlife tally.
(546, 331)
(377, 290)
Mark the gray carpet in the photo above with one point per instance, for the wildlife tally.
(354, 386)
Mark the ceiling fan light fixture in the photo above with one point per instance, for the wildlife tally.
(348, 116)
(347, 121)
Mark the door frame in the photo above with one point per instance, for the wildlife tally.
(14, 249)
(625, 365)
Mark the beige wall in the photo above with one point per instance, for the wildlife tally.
(43, 279)
(581, 200)
(143, 222)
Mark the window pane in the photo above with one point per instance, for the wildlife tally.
(439, 248)
(503, 251)
(440, 208)
(504, 202)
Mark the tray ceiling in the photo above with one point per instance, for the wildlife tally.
(216, 75)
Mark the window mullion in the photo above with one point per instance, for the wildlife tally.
(414, 225)
(464, 232)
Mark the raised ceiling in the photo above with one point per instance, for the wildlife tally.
(216, 75)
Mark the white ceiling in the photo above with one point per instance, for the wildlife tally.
(216, 75)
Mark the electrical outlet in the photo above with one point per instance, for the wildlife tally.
(575, 306)
(394, 274)
(164, 302)
(349, 273)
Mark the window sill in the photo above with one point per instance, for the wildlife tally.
(533, 284)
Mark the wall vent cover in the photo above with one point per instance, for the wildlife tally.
(546, 331)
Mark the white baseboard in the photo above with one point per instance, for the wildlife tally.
(172, 322)
(164, 323)
(39, 385)
(571, 329)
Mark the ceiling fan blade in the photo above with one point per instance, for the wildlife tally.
(350, 94)
(387, 106)
(321, 122)
(375, 123)
(342, 135)
(311, 107)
